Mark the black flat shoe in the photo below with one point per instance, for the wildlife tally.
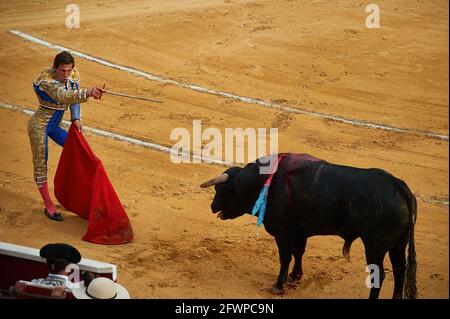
(56, 216)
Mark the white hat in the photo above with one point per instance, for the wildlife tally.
(101, 288)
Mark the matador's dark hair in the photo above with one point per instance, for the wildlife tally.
(63, 58)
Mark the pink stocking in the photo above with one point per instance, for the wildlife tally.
(43, 189)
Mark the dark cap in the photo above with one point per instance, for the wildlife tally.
(63, 251)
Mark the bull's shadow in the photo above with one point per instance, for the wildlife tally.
(309, 197)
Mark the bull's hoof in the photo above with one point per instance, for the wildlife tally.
(293, 279)
(277, 291)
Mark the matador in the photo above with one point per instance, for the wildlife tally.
(57, 90)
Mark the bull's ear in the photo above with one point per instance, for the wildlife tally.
(222, 178)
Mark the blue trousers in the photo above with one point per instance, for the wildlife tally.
(54, 131)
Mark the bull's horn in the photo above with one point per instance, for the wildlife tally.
(222, 178)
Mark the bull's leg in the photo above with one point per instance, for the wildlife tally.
(398, 260)
(375, 261)
(297, 271)
(284, 243)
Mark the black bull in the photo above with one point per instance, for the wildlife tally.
(311, 197)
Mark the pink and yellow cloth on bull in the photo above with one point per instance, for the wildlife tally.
(261, 203)
(291, 162)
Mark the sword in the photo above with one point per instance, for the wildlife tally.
(131, 96)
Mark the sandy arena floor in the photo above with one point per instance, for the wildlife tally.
(313, 55)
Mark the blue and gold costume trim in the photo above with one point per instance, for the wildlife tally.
(54, 98)
(56, 95)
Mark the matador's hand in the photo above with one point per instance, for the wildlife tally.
(97, 92)
(78, 125)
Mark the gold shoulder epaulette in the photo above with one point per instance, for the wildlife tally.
(74, 76)
(48, 75)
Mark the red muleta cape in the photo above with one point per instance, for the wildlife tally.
(83, 187)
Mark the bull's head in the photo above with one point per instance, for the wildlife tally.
(234, 194)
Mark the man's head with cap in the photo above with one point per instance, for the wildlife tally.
(59, 256)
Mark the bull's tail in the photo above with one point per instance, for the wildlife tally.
(346, 248)
(411, 266)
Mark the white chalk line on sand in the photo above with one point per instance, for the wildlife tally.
(259, 102)
(127, 139)
(439, 201)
